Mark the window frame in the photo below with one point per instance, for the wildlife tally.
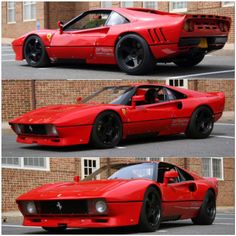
(211, 167)
(155, 2)
(122, 4)
(224, 4)
(29, 3)
(11, 22)
(22, 166)
(175, 10)
(97, 159)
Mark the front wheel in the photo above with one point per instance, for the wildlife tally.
(107, 130)
(54, 230)
(150, 217)
(35, 53)
(133, 55)
(201, 123)
(207, 212)
(189, 60)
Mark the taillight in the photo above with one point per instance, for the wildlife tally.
(223, 27)
(189, 26)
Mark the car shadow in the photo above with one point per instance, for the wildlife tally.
(161, 69)
(134, 140)
(118, 230)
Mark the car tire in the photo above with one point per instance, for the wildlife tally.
(150, 217)
(54, 230)
(107, 130)
(207, 212)
(35, 53)
(133, 55)
(190, 60)
(201, 123)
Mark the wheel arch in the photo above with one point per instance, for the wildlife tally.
(157, 188)
(117, 113)
(203, 105)
(212, 190)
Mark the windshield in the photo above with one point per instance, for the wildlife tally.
(124, 171)
(111, 95)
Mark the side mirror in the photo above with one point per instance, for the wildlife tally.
(137, 98)
(60, 25)
(78, 99)
(76, 178)
(170, 175)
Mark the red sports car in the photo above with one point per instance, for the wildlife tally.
(115, 113)
(142, 194)
(134, 38)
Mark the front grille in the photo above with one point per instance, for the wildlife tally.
(62, 207)
(33, 129)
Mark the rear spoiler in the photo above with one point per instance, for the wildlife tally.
(218, 94)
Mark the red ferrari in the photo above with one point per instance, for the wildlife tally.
(143, 194)
(115, 113)
(133, 38)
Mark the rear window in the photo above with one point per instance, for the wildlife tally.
(116, 19)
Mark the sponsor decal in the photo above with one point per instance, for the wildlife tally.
(104, 51)
(49, 36)
(179, 122)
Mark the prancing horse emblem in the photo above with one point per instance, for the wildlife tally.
(59, 206)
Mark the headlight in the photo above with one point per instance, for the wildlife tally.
(27, 207)
(16, 128)
(101, 206)
(51, 130)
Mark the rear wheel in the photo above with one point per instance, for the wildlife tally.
(207, 213)
(35, 53)
(201, 123)
(55, 229)
(150, 217)
(189, 60)
(107, 130)
(133, 55)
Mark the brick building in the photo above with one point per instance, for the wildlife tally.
(20, 96)
(21, 17)
(22, 174)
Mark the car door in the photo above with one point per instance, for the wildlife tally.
(179, 197)
(151, 118)
(78, 38)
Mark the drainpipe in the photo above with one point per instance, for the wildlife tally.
(33, 95)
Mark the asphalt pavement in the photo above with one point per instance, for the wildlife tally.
(223, 224)
(218, 65)
(220, 143)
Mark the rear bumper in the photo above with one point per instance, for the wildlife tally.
(68, 136)
(120, 214)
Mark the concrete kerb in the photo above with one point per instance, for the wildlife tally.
(14, 217)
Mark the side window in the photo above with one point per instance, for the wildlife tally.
(89, 21)
(116, 19)
(170, 94)
(184, 176)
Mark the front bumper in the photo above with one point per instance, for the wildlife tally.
(120, 214)
(68, 136)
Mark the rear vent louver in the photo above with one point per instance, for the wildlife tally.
(157, 35)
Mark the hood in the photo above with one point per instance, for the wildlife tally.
(60, 114)
(108, 189)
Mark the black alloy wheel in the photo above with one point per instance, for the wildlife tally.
(107, 130)
(35, 53)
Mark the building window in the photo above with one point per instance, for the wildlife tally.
(11, 12)
(127, 4)
(183, 83)
(31, 163)
(106, 4)
(89, 165)
(29, 10)
(150, 5)
(213, 167)
(228, 4)
(178, 6)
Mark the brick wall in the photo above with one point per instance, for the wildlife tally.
(17, 181)
(17, 94)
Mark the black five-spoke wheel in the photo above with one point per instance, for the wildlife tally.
(201, 123)
(133, 55)
(34, 52)
(150, 217)
(107, 130)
